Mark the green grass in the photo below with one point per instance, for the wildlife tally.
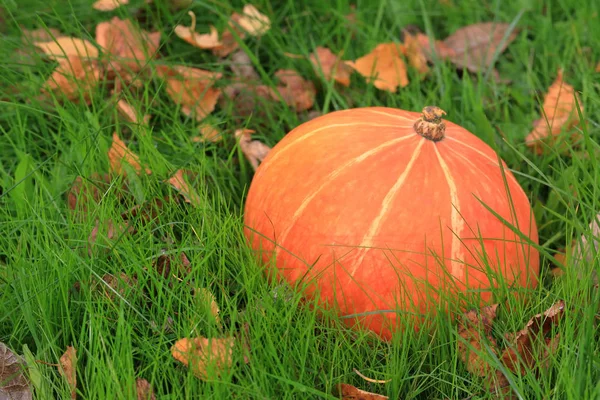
(47, 275)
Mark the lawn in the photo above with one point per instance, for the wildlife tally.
(120, 264)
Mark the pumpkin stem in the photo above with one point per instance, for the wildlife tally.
(430, 125)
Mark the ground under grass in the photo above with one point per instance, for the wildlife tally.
(48, 273)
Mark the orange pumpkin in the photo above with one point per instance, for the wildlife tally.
(380, 211)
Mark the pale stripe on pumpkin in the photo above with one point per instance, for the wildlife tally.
(481, 153)
(457, 223)
(323, 128)
(329, 179)
(368, 239)
(395, 116)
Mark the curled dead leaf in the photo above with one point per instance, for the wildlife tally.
(475, 330)
(128, 47)
(104, 232)
(205, 357)
(474, 46)
(143, 390)
(242, 66)
(208, 133)
(559, 114)
(85, 191)
(68, 369)
(296, 91)
(114, 287)
(118, 154)
(383, 67)
(64, 46)
(253, 21)
(167, 265)
(254, 150)
(349, 392)
(75, 78)
(130, 114)
(200, 40)
(415, 53)
(331, 65)
(108, 5)
(13, 381)
(178, 182)
(191, 88)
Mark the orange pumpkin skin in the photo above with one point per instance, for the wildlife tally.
(371, 215)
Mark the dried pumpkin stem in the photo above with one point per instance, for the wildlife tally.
(430, 125)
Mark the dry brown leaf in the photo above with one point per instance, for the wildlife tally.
(331, 65)
(68, 369)
(524, 349)
(207, 300)
(228, 40)
(14, 384)
(191, 88)
(429, 46)
(598, 67)
(114, 286)
(296, 91)
(167, 266)
(180, 184)
(132, 47)
(474, 46)
(253, 22)
(105, 232)
(471, 329)
(74, 78)
(247, 98)
(108, 5)
(208, 133)
(84, 191)
(383, 67)
(130, 114)
(415, 53)
(144, 390)
(349, 392)
(40, 35)
(242, 66)
(254, 150)
(205, 356)
(200, 40)
(64, 46)
(119, 154)
(559, 114)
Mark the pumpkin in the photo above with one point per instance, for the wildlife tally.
(377, 212)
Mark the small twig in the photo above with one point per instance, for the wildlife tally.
(370, 379)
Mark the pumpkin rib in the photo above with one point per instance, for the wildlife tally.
(457, 224)
(481, 153)
(394, 116)
(310, 134)
(367, 241)
(328, 180)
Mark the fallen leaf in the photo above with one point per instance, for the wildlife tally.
(166, 265)
(74, 78)
(104, 233)
(144, 390)
(296, 91)
(383, 67)
(14, 384)
(254, 150)
(598, 67)
(331, 65)
(472, 327)
(130, 47)
(523, 350)
(180, 184)
(108, 5)
(114, 286)
(247, 98)
(474, 46)
(191, 88)
(242, 66)
(559, 115)
(415, 54)
(430, 46)
(202, 41)
(68, 369)
(208, 133)
(86, 191)
(148, 211)
(64, 46)
(349, 392)
(40, 35)
(253, 22)
(119, 154)
(205, 356)
(228, 39)
(585, 251)
(130, 114)
(207, 300)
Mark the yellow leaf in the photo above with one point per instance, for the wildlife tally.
(119, 153)
(384, 67)
(68, 369)
(253, 22)
(204, 356)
